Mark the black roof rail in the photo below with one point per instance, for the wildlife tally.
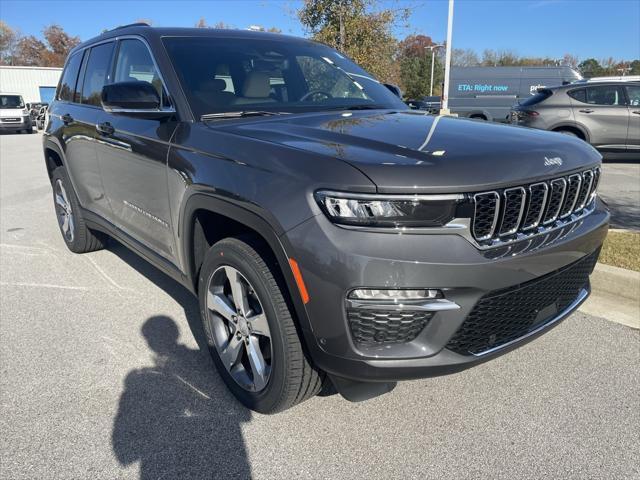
(137, 24)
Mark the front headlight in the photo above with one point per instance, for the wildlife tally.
(25, 112)
(389, 211)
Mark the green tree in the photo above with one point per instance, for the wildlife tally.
(358, 28)
(415, 67)
(590, 68)
(635, 67)
(8, 42)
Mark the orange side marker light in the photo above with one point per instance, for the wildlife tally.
(299, 281)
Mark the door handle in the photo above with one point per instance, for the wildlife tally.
(66, 119)
(637, 112)
(105, 129)
(586, 110)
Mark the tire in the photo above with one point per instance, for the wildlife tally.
(78, 237)
(290, 378)
(568, 132)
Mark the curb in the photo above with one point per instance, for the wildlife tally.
(615, 295)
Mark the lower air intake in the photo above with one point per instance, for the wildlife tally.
(506, 315)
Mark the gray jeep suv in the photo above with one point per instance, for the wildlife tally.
(605, 114)
(332, 235)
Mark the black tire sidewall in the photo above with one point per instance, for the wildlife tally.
(266, 399)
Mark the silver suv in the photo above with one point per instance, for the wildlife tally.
(605, 114)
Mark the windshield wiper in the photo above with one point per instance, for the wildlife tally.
(240, 114)
(361, 107)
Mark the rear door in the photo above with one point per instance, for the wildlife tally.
(633, 137)
(132, 153)
(77, 110)
(602, 110)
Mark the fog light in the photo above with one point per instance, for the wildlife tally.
(396, 296)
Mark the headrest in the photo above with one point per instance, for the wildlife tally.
(256, 85)
(214, 85)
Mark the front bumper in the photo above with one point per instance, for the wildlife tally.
(334, 261)
(24, 123)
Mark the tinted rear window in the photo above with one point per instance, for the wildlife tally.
(537, 98)
(70, 78)
(578, 95)
(96, 75)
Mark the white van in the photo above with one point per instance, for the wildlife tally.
(14, 114)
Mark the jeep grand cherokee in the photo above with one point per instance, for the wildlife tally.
(332, 235)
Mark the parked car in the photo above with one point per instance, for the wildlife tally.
(605, 114)
(14, 115)
(430, 104)
(331, 234)
(41, 118)
(487, 93)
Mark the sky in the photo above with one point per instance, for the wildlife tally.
(545, 28)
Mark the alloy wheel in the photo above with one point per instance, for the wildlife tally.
(64, 212)
(239, 328)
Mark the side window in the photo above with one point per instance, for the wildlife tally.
(633, 92)
(605, 95)
(578, 95)
(134, 63)
(97, 73)
(67, 87)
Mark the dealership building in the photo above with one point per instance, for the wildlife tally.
(35, 84)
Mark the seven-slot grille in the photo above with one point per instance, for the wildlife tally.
(523, 209)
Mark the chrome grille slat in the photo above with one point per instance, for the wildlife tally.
(556, 197)
(596, 182)
(585, 189)
(506, 215)
(538, 193)
(486, 213)
(514, 203)
(573, 189)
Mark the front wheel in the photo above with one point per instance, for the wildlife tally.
(250, 330)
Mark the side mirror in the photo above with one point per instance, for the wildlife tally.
(130, 97)
(394, 89)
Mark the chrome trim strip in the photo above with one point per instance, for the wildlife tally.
(378, 196)
(496, 215)
(582, 296)
(564, 190)
(435, 305)
(575, 197)
(522, 204)
(461, 226)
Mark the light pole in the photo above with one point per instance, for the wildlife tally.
(444, 110)
(433, 56)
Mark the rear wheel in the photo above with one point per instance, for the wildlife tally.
(77, 236)
(250, 330)
(568, 132)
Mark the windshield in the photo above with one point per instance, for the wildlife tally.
(245, 74)
(11, 101)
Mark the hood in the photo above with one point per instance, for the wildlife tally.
(409, 151)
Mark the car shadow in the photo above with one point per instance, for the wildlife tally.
(176, 417)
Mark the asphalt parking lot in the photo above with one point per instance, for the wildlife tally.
(102, 378)
(620, 188)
